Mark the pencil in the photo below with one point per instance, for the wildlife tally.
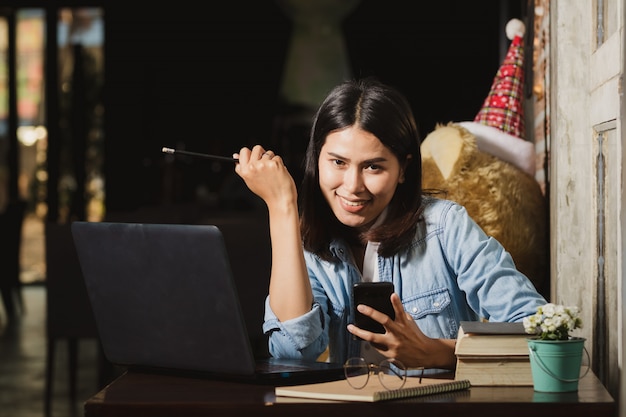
(199, 155)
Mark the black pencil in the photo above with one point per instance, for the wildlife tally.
(199, 155)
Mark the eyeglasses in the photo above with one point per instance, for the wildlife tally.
(391, 373)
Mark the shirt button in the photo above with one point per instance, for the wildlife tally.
(414, 310)
(436, 304)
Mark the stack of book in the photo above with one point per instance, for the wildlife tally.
(490, 354)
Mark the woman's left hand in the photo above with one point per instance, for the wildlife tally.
(404, 340)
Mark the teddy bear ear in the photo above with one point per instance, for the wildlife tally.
(443, 146)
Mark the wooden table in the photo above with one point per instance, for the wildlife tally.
(143, 394)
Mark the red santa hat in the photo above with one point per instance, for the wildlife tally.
(504, 108)
(499, 126)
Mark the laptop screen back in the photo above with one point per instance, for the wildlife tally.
(163, 296)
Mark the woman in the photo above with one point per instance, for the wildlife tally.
(364, 217)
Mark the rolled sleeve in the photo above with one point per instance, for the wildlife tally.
(300, 337)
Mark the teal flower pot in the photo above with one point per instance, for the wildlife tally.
(555, 364)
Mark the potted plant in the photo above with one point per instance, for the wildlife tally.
(555, 355)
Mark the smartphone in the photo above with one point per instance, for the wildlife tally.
(375, 295)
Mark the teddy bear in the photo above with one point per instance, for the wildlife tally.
(503, 199)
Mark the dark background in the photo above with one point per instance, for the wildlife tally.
(208, 81)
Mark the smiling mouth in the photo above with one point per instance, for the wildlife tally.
(349, 203)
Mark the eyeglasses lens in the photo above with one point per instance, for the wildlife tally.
(357, 372)
(392, 374)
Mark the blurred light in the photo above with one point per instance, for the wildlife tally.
(29, 135)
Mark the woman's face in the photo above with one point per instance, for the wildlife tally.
(358, 176)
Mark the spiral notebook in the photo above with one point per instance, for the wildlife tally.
(373, 391)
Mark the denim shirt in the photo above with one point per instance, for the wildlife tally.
(452, 272)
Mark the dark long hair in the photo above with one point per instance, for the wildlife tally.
(384, 112)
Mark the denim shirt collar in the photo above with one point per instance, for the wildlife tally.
(340, 249)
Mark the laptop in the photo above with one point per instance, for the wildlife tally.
(164, 300)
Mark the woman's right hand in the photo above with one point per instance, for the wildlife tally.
(266, 175)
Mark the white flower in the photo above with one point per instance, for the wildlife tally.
(553, 321)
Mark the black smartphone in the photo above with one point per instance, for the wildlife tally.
(375, 295)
